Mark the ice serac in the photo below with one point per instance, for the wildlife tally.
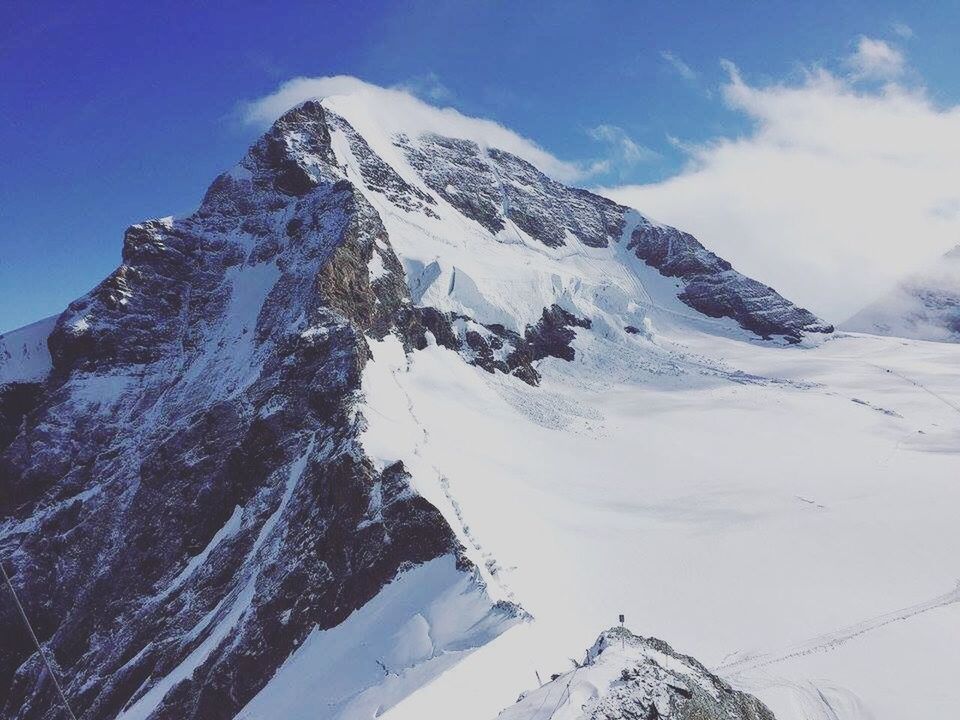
(627, 676)
(185, 497)
(923, 306)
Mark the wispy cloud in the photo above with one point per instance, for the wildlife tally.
(413, 110)
(691, 77)
(681, 68)
(427, 87)
(839, 188)
(902, 30)
(876, 60)
(624, 153)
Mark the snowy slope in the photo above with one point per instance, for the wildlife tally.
(675, 473)
(924, 306)
(785, 516)
(422, 623)
(24, 356)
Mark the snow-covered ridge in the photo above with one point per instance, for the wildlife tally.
(437, 616)
(627, 676)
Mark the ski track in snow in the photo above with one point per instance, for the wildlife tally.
(831, 640)
(953, 406)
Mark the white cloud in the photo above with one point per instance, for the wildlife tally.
(427, 86)
(386, 111)
(902, 30)
(833, 195)
(624, 153)
(682, 69)
(876, 60)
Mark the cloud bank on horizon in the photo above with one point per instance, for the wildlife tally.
(848, 179)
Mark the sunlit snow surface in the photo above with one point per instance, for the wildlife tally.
(786, 515)
(358, 670)
(23, 353)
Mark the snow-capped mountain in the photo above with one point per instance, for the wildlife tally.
(924, 306)
(394, 420)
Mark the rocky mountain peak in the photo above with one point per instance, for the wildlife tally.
(628, 676)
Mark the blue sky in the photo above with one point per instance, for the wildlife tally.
(111, 113)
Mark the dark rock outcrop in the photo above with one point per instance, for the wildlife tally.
(711, 285)
(493, 186)
(551, 212)
(458, 172)
(495, 348)
(382, 178)
(652, 682)
(16, 400)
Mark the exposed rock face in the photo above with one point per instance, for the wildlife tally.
(713, 287)
(924, 306)
(458, 172)
(493, 186)
(381, 177)
(186, 498)
(625, 676)
(551, 212)
(16, 401)
(494, 348)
